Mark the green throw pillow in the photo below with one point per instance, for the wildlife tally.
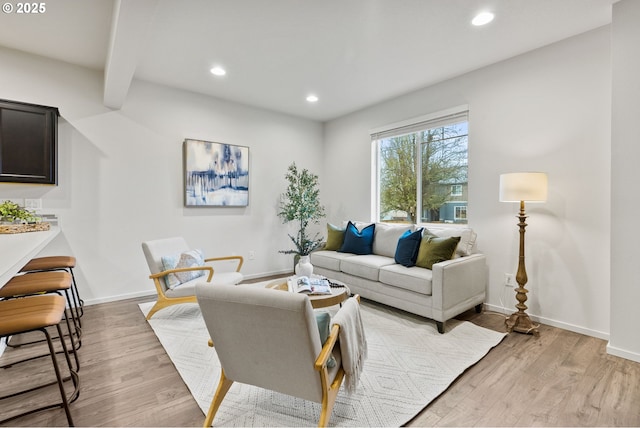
(324, 328)
(435, 250)
(335, 238)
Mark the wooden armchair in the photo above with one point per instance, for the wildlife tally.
(185, 292)
(271, 340)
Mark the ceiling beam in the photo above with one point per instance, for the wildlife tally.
(129, 31)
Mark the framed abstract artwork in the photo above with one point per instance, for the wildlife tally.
(215, 174)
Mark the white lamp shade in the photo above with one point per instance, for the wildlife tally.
(523, 186)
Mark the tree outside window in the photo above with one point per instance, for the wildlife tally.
(438, 189)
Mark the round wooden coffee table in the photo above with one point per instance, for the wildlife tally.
(337, 296)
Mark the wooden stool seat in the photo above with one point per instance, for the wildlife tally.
(42, 283)
(59, 263)
(20, 315)
(36, 313)
(37, 282)
(50, 263)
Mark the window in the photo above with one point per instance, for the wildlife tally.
(421, 169)
(461, 213)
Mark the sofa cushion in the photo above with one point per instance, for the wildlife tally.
(434, 250)
(385, 241)
(335, 237)
(359, 224)
(366, 266)
(467, 244)
(414, 279)
(328, 259)
(358, 241)
(407, 248)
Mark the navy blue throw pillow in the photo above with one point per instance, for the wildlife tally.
(408, 246)
(358, 242)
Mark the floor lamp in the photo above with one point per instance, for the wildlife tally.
(521, 187)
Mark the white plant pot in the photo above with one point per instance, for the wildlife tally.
(304, 266)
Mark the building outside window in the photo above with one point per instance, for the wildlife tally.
(422, 169)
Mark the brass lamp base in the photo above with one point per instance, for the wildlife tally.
(521, 323)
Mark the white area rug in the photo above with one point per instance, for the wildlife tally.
(409, 365)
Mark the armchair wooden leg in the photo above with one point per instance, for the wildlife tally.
(221, 391)
(153, 310)
(164, 302)
(329, 399)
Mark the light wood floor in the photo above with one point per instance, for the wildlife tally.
(559, 379)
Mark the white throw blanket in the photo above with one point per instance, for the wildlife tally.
(353, 343)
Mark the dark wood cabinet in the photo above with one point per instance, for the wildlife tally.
(28, 143)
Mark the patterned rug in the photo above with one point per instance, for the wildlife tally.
(409, 365)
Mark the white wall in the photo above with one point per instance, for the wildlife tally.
(547, 110)
(625, 200)
(120, 174)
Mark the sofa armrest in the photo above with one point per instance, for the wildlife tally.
(457, 281)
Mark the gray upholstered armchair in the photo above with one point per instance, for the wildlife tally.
(184, 292)
(270, 339)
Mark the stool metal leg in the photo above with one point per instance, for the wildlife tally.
(63, 394)
(65, 401)
(77, 299)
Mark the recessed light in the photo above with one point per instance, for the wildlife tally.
(312, 98)
(218, 71)
(482, 18)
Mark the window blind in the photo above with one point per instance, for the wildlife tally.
(420, 124)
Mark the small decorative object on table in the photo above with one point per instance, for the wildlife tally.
(304, 266)
(334, 284)
(15, 219)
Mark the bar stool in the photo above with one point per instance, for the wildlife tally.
(53, 263)
(46, 282)
(36, 313)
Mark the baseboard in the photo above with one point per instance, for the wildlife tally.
(151, 293)
(268, 274)
(633, 356)
(553, 323)
(3, 345)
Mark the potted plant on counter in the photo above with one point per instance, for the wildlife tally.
(15, 219)
(301, 204)
(10, 213)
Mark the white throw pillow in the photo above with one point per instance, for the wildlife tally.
(386, 236)
(189, 258)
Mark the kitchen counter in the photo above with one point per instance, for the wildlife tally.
(16, 249)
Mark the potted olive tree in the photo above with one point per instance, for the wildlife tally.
(301, 204)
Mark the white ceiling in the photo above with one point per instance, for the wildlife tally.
(351, 53)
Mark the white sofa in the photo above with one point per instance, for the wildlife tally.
(448, 289)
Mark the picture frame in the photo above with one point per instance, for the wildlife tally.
(215, 174)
